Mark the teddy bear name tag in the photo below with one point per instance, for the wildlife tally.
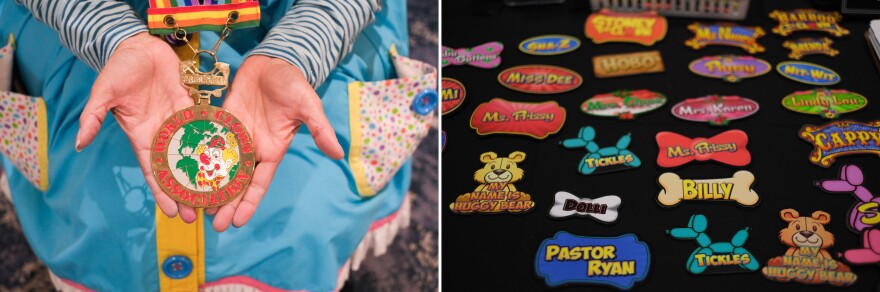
(496, 192)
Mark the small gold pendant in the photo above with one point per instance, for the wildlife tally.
(203, 156)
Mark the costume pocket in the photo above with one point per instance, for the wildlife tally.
(24, 136)
(388, 120)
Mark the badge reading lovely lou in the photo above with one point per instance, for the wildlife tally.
(619, 262)
(728, 147)
(623, 104)
(496, 193)
(486, 56)
(807, 73)
(601, 160)
(728, 34)
(453, 94)
(810, 46)
(602, 209)
(536, 120)
(807, 260)
(553, 44)
(730, 68)
(808, 19)
(540, 79)
(720, 256)
(841, 138)
(735, 189)
(824, 102)
(717, 110)
(627, 64)
(644, 28)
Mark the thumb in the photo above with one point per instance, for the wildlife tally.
(90, 120)
(322, 131)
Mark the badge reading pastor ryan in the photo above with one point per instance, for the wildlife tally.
(203, 157)
(619, 262)
(840, 138)
(496, 193)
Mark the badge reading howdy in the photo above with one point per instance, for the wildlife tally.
(841, 138)
(453, 94)
(540, 79)
(728, 34)
(619, 262)
(603, 209)
(810, 46)
(730, 68)
(808, 19)
(623, 104)
(807, 260)
(736, 188)
(549, 45)
(486, 56)
(601, 160)
(718, 255)
(644, 28)
(824, 102)
(728, 147)
(717, 110)
(536, 120)
(496, 193)
(807, 73)
(865, 214)
(627, 64)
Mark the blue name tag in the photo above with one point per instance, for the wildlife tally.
(614, 261)
(549, 45)
(808, 73)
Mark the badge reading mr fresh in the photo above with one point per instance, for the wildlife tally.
(202, 156)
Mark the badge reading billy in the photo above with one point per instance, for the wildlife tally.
(619, 262)
(549, 45)
(540, 79)
(841, 138)
(496, 193)
(536, 120)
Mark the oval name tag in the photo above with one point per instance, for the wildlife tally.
(730, 68)
(808, 73)
(549, 45)
(540, 79)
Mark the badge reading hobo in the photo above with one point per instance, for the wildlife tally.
(202, 156)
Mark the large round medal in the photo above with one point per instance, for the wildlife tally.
(203, 156)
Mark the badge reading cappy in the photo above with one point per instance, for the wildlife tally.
(536, 120)
(624, 104)
(496, 193)
(715, 255)
(808, 19)
(602, 209)
(644, 28)
(736, 188)
(824, 102)
(601, 160)
(717, 110)
(841, 138)
(728, 34)
(728, 147)
(540, 79)
(619, 262)
(810, 46)
(730, 68)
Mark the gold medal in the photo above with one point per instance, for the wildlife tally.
(202, 156)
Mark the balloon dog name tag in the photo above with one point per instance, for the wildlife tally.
(810, 46)
(536, 120)
(730, 68)
(601, 160)
(807, 73)
(728, 34)
(808, 19)
(824, 102)
(453, 94)
(644, 28)
(807, 260)
(737, 188)
(728, 147)
(486, 56)
(549, 45)
(540, 79)
(717, 110)
(841, 138)
(618, 262)
(602, 209)
(719, 255)
(865, 214)
(496, 192)
(624, 104)
(627, 64)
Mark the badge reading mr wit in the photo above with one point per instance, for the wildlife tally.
(202, 155)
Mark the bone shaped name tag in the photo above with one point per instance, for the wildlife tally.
(603, 209)
(736, 188)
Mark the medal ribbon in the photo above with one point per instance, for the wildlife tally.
(165, 16)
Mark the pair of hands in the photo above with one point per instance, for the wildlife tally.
(140, 84)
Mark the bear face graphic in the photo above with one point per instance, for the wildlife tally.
(500, 170)
(806, 232)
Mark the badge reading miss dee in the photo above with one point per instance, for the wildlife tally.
(720, 256)
(737, 188)
(808, 19)
(203, 157)
(619, 262)
(841, 138)
(807, 260)
(496, 193)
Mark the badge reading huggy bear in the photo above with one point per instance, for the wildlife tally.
(496, 193)
(720, 255)
(841, 138)
(600, 160)
(737, 188)
(619, 262)
(807, 260)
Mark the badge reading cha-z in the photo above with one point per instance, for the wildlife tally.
(203, 157)
(549, 45)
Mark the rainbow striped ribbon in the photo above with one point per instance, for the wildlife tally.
(198, 15)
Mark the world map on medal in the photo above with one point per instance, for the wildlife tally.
(203, 156)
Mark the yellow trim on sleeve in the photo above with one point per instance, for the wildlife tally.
(42, 144)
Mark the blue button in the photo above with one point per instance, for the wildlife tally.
(177, 267)
(425, 102)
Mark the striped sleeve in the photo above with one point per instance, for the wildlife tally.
(314, 35)
(90, 29)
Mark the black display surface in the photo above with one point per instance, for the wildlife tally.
(497, 252)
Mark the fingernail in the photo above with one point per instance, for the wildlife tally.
(76, 146)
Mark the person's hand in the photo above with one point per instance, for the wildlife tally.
(140, 84)
(272, 99)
